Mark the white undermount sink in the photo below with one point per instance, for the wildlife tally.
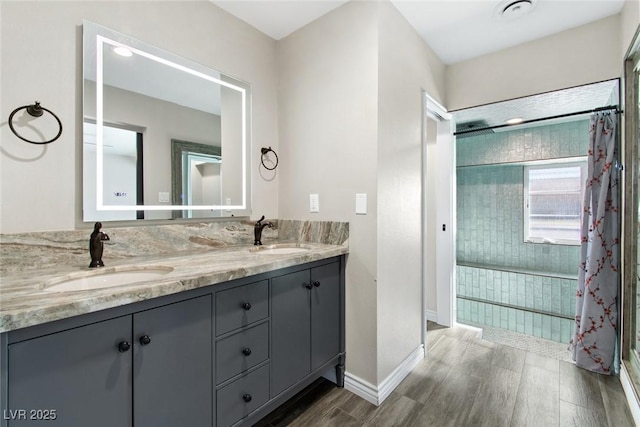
(99, 279)
(280, 249)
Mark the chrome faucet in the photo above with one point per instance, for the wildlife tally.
(257, 230)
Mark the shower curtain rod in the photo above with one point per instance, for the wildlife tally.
(595, 110)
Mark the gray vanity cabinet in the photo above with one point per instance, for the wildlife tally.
(77, 376)
(242, 351)
(218, 356)
(151, 368)
(306, 323)
(172, 365)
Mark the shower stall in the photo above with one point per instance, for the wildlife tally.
(519, 196)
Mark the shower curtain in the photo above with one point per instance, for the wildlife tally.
(594, 340)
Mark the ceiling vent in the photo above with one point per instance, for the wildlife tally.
(473, 128)
(513, 9)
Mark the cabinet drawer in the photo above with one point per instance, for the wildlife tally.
(238, 399)
(241, 306)
(241, 351)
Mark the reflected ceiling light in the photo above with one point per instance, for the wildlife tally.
(515, 121)
(122, 51)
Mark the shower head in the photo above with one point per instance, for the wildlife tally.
(473, 128)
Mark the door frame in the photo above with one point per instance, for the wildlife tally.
(445, 214)
(629, 375)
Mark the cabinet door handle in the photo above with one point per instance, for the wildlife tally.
(316, 284)
(145, 340)
(246, 397)
(246, 351)
(124, 346)
(308, 285)
(246, 306)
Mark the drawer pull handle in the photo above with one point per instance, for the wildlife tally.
(145, 340)
(124, 346)
(246, 397)
(308, 285)
(246, 306)
(316, 284)
(246, 351)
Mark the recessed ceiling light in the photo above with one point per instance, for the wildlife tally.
(515, 121)
(122, 51)
(512, 9)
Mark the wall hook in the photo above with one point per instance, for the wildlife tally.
(35, 110)
(264, 151)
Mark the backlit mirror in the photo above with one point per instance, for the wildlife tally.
(164, 137)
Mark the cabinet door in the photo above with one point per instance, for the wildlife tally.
(79, 374)
(325, 313)
(290, 330)
(173, 381)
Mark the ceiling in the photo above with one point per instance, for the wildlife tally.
(457, 30)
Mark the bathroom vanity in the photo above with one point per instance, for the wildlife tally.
(222, 339)
(187, 325)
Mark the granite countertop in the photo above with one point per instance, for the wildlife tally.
(24, 300)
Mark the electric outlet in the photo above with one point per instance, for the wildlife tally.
(314, 203)
(163, 197)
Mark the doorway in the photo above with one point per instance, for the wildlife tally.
(439, 195)
(122, 171)
(202, 183)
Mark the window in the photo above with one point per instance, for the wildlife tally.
(553, 202)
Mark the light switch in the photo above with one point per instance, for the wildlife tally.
(163, 197)
(361, 203)
(314, 203)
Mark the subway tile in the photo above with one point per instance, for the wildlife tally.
(546, 327)
(528, 323)
(537, 325)
(490, 224)
(555, 328)
(512, 319)
(504, 317)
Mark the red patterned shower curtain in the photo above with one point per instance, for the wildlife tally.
(594, 340)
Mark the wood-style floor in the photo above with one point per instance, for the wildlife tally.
(467, 381)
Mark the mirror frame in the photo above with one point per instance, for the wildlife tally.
(95, 38)
(178, 147)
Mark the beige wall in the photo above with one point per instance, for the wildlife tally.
(629, 20)
(406, 68)
(328, 100)
(41, 56)
(350, 122)
(585, 54)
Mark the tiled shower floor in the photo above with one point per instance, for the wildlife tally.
(539, 346)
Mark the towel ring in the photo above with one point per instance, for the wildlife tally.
(35, 110)
(265, 151)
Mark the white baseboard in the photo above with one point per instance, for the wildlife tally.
(361, 388)
(634, 406)
(378, 394)
(432, 316)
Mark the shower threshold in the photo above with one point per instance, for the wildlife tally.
(536, 345)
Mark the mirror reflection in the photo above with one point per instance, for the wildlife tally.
(141, 104)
